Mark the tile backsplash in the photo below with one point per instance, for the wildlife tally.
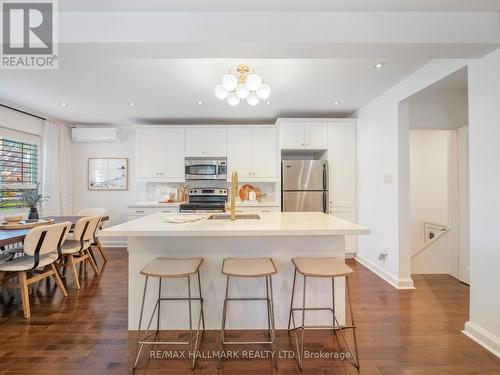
(155, 191)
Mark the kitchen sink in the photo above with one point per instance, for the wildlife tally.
(238, 217)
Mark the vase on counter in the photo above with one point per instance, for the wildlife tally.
(33, 215)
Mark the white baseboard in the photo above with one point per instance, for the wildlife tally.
(482, 337)
(396, 282)
(350, 255)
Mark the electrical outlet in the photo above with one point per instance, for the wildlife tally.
(383, 254)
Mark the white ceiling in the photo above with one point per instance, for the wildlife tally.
(167, 90)
(283, 5)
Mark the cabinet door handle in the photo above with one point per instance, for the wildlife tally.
(139, 212)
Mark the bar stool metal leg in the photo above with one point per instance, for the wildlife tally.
(340, 328)
(139, 347)
(290, 317)
(301, 358)
(223, 326)
(159, 305)
(273, 325)
(201, 300)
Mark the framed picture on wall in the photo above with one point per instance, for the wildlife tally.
(108, 174)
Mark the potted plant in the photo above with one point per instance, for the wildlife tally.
(32, 199)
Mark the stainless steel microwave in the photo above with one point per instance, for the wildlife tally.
(206, 168)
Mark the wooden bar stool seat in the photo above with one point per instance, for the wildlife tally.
(248, 267)
(170, 268)
(324, 267)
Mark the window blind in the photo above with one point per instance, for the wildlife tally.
(18, 170)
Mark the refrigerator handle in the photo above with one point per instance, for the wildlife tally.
(324, 177)
(325, 203)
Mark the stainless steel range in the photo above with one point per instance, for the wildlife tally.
(205, 200)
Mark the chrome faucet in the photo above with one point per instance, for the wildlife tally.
(234, 193)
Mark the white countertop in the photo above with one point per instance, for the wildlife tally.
(269, 224)
(176, 204)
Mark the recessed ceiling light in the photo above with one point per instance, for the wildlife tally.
(131, 104)
(200, 102)
(379, 65)
(64, 104)
(336, 103)
(268, 102)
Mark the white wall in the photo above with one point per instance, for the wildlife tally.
(429, 165)
(114, 201)
(378, 154)
(484, 151)
(18, 121)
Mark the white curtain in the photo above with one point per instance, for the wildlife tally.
(56, 169)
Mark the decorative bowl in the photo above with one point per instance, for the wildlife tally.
(13, 219)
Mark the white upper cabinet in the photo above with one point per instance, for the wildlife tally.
(147, 162)
(239, 152)
(206, 141)
(252, 152)
(342, 161)
(264, 161)
(292, 135)
(195, 142)
(304, 135)
(316, 135)
(173, 152)
(159, 154)
(216, 142)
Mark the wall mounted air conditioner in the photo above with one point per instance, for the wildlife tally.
(94, 135)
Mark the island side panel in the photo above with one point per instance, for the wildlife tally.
(242, 314)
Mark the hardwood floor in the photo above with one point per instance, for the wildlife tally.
(399, 332)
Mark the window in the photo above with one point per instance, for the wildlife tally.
(18, 170)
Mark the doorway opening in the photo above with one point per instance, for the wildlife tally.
(439, 178)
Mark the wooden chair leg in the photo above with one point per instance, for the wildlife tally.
(58, 280)
(65, 261)
(92, 263)
(23, 283)
(101, 250)
(71, 262)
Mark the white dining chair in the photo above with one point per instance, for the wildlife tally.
(42, 248)
(77, 249)
(96, 212)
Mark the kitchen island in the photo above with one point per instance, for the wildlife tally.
(279, 235)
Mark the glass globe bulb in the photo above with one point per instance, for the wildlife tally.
(229, 82)
(264, 91)
(233, 99)
(242, 91)
(253, 82)
(253, 99)
(220, 92)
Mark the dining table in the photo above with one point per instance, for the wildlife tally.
(14, 236)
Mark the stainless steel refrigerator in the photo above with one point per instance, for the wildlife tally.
(304, 185)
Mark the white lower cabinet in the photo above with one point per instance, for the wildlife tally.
(138, 211)
(349, 214)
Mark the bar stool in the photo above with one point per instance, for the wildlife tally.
(254, 268)
(329, 267)
(172, 268)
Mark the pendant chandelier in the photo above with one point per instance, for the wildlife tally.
(243, 85)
